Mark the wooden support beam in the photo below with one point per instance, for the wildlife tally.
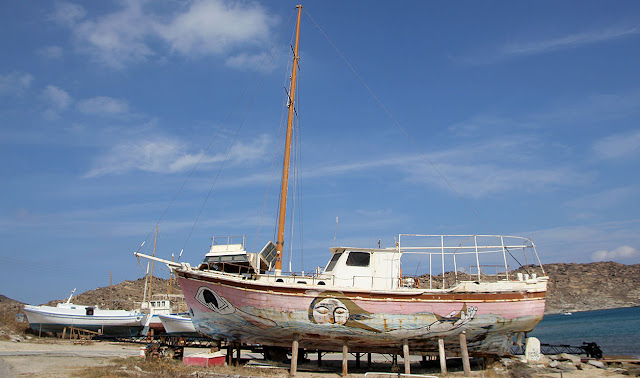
(443, 357)
(319, 358)
(294, 355)
(406, 357)
(345, 354)
(368, 360)
(238, 350)
(229, 356)
(358, 360)
(465, 354)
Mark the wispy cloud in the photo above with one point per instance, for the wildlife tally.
(566, 42)
(15, 83)
(618, 146)
(543, 46)
(130, 34)
(103, 105)
(603, 200)
(169, 155)
(57, 100)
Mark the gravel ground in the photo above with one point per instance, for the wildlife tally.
(51, 357)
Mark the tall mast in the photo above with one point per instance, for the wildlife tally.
(287, 151)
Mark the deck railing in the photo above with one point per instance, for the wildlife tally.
(453, 258)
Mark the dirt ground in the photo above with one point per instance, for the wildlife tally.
(53, 357)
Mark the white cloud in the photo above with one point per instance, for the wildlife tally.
(15, 83)
(168, 155)
(102, 105)
(618, 146)
(203, 27)
(621, 253)
(118, 38)
(214, 26)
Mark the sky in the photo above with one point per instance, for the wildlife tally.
(513, 118)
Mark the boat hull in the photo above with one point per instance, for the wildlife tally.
(177, 325)
(326, 318)
(50, 319)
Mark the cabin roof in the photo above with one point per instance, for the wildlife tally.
(335, 250)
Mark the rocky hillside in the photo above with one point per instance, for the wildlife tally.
(601, 285)
(122, 296)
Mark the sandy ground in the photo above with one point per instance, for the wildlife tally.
(63, 358)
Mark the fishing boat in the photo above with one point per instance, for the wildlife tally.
(178, 325)
(364, 299)
(92, 318)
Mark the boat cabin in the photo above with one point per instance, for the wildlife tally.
(363, 268)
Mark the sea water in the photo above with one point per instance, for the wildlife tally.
(616, 331)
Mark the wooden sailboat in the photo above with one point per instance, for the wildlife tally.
(361, 299)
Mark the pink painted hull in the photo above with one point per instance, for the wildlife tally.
(367, 321)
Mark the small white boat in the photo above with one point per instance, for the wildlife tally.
(92, 318)
(178, 325)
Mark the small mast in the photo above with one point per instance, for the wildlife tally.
(287, 152)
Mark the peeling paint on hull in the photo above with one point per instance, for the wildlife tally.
(251, 312)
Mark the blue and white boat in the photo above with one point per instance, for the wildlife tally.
(92, 318)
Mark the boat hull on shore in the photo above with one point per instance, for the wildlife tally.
(107, 322)
(178, 325)
(249, 311)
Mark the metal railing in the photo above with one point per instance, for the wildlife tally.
(452, 252)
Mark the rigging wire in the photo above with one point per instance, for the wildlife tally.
(271, 53)
(395, 121)
(226, 157)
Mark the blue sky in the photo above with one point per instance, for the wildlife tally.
(530, 110)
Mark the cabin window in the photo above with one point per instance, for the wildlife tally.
(89, 311)
(358, 259)
(334, 260)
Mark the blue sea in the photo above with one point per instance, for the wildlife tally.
(616, 331)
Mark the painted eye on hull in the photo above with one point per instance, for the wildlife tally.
(213, 301)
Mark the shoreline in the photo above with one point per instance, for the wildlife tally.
(592, 309)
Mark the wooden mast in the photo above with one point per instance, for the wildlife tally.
(287, 152)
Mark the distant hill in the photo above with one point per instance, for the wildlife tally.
(123, 296)
(601, 285)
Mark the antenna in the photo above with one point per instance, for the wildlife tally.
(336, 233)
